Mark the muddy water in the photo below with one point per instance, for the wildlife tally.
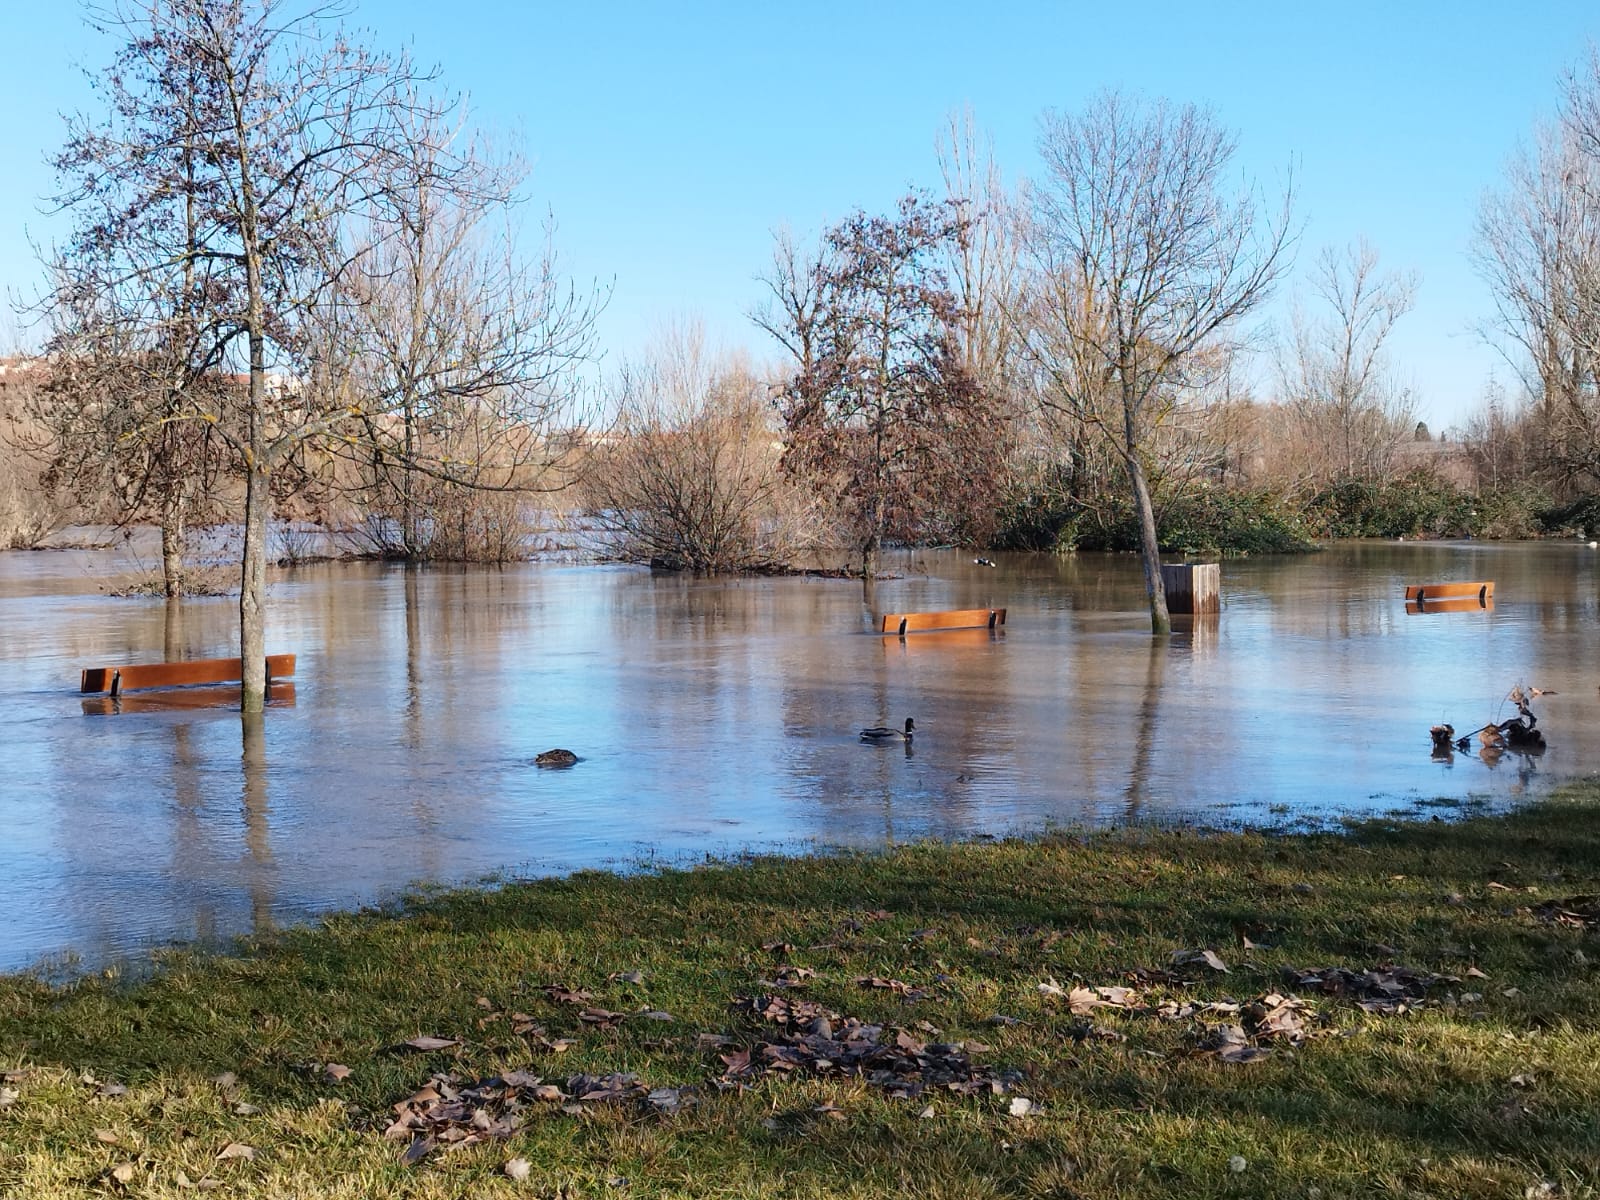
(712, 716)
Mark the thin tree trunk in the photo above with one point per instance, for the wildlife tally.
(253, 579)
(172, 538)
(1149, 548)
(869, 557)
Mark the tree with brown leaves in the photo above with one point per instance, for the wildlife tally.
(882, 411)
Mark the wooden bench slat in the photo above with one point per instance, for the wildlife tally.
(1426, 593)
(961, 618)
(184, 700)
(1456, 604)
(178, 674)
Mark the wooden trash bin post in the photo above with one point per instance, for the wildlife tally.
(1192, 587)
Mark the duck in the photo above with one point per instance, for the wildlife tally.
(882, 733)
(555, 758)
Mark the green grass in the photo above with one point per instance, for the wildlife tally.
(1489, 1088)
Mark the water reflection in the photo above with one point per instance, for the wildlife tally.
(255, 866)
(712, 715)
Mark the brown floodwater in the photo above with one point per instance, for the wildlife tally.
(713, 716)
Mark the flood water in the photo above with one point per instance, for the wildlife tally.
(717, 715)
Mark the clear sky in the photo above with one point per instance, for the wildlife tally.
(670, 139)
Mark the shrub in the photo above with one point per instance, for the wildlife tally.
(693, 480)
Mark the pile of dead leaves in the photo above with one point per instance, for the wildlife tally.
(1241, 1037)
(450, 1112)
(816, 1040)
(1575, 912)
(1387, 991)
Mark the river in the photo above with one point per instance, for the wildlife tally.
(713, 716)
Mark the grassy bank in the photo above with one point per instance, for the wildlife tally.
(1006, 1019)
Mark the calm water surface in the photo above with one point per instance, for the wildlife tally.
(717, 715)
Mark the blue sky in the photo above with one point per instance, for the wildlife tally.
(669, 140)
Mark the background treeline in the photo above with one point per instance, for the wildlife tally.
(1078, 360)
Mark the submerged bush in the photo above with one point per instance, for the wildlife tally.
(693, 480)
(1418, 504)
(1205, 521)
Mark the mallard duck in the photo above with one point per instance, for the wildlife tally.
(882, 733)
(555, 758)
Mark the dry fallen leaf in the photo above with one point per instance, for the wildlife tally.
(124, 1172)
(517, 1169)
(426, 1042)
(1238, 1053)
(337, 1071)
(236, 1150)
(634, 977)
(9, 1096)
(1474, 973)
(1021, 1106)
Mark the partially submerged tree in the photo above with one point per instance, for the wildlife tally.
(460, 349)
(135, 348)
(690, 478)
(1335, 375)
(881, 405)
(1144, 267)
(281, 135)
(1538, 247)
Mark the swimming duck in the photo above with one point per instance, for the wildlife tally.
(555, 758)
(882, 733)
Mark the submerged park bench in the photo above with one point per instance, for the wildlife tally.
(900, 624)
(117, 680)
(1450, 597)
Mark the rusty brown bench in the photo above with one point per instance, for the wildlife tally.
(117, 680)
(1427, 593)
(900, 624)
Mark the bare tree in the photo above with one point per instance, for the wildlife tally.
(691, 478)
(292, 126)
(1334, 370)
(885, 410)
(1144, 268)
(461, 350)
(983, 267)
(1537, 245)
(132, 317)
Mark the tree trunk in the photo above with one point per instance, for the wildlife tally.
(253, 592)
(172, 536)
(1149, 548)
(253, 575)
(869, 556)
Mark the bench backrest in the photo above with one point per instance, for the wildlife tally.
(200, 670)
(961, 618)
